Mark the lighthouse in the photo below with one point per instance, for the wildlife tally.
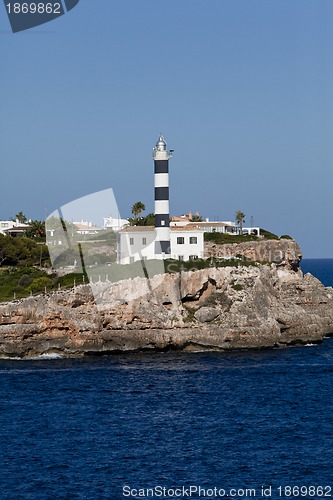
(161, 183)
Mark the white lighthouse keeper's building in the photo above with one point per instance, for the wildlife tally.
(160, 241)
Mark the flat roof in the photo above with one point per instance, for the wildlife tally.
(143, 229)
(16, 228)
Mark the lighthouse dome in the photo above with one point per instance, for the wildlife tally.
(161, 144)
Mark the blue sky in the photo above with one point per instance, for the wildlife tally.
(241, 89)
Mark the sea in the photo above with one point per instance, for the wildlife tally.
(249, 424)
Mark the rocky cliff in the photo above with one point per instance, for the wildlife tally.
(281, 252)
(215, 308)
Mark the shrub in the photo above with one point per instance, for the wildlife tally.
(18, 280)
(25, 280)
(68, 280)
(39, 284)
(222, 239)
(21, 251)
(285, 237)
(268, 235)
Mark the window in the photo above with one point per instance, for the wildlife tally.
(180, 257)
(144, 241)
(193, 240)
(180, 240)
(131, 241)
(193, 257)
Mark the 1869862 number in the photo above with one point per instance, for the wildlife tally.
(305, 491)
(33, 8)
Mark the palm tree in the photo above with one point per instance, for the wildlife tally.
(240, 216)
(196, 218)
(20, 217)
(36, 229)
(137, 208)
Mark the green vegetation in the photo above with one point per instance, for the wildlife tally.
(37, 230)
(37, 227)
(22, 260)
(148, 220)
(21, 282)
(22, 252)
(196, 218)
(240, 219)
(268, 235)
(137, 208)
(285, 237)
(221, 238)
(21, 218)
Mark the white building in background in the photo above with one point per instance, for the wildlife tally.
(13, 228)
(218, 227)
(210, 226)
(86, 227)
(138, 243)
(114, 223)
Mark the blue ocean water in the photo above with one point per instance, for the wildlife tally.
(87, 428)
(320, 268)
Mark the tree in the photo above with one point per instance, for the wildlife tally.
(137, 208)
(37, 229)
(21, 252)
(20, 217)
(196, 218)
(148, 220)
(240, 216)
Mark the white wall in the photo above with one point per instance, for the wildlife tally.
(135, 246)
(131, 246)
(187, 250)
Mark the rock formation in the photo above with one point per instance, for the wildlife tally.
(282, 252)
(217, 308)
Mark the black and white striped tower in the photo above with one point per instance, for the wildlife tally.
(161, 182)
